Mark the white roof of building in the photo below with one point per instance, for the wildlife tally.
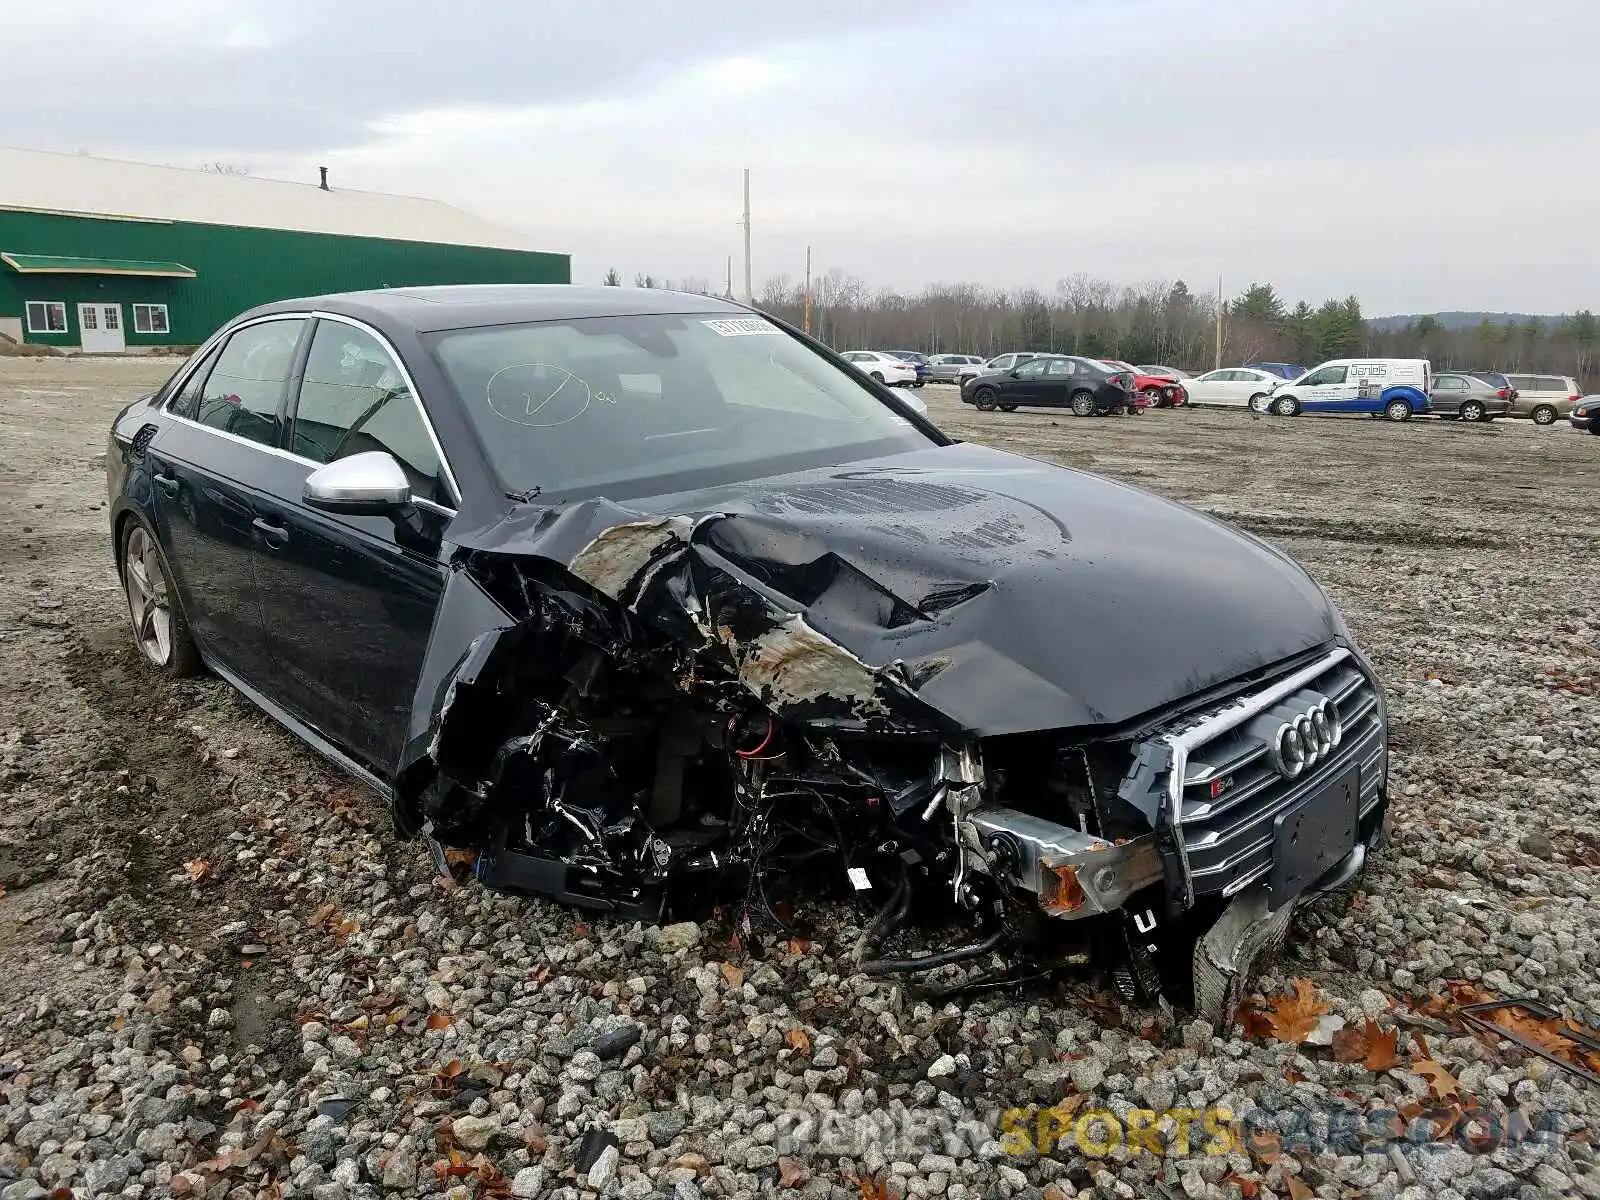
(41, 180)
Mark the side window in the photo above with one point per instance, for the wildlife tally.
(1032, 370)
(186, 403)
(1059, 368)
(354, 399)
(1328, 375)
(241, 393)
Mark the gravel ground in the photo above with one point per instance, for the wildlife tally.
(221, 975)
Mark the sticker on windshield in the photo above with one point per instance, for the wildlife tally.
(740, 326)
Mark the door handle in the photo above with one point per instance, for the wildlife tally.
(168, 484)
(275, 536)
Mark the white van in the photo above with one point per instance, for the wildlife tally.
(1398, 388)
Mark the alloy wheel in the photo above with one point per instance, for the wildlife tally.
(149, 604)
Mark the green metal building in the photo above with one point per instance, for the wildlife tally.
(105, 256)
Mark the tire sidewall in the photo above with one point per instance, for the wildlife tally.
(1397, 410)
(1471, 411)
(1085, 410)
(1286, 406)
(1543, 414)
(984, 399)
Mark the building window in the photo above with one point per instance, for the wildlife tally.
(150, 318)
(47, 316)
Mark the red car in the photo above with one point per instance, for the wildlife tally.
(1159, 391)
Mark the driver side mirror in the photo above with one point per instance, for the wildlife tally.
(917, 403)
(369, 484)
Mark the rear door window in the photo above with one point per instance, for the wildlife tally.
(243, 393)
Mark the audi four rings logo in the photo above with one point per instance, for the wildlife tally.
(1305, 740)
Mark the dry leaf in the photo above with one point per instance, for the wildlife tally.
(798, 1041)
(874, 1188)
(792, 1174)
(1291, 1018)
(797, 945)
(734, 975)
(197, 869)
(1248, 1188)
(119, 1021)
(1368, 1045)
(1298, 1190)
(440, 1020)
(320, 916)
(1441, 1084)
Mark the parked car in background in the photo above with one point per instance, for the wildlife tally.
(1170, 372)
(1397, 388)
(1281, 370)
(885, 368)
(1159, 391)
(917, 359)
(1087, 387)
(1493, 378)
(946, 368)
(1463, 397)
(1585, 414)
(1544, 398)
(1000, 362)
(1233, 387)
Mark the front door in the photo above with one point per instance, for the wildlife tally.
(100, 327)
(1328, 390)
(348, 600)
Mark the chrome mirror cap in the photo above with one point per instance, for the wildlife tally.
(370, 482)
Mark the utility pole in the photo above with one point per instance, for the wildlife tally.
(1218, 322)
(749, 295)
(729, 292)
(806, 325)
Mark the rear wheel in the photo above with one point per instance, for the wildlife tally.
(877, 377)
(159, 627)
(1544, 414)
(1286, 406)
(1398, 410)
(1082, 404)
(985, 398)
(1472, 410)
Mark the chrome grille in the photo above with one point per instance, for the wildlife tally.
(1222, 814)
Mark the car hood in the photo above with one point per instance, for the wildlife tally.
(1001, 593)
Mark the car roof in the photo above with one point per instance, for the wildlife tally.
(463, 305)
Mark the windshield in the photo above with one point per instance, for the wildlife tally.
(626, 405)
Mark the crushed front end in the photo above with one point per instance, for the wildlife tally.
(641, 714)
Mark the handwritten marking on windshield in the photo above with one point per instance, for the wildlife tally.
(542, 406)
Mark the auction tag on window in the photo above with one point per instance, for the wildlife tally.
(859, 880)
(740, 326)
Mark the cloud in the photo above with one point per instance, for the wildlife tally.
(1419, 153)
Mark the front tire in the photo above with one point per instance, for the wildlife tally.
(1286, 406)
(1472, 411)
(160, 629)
(1082, 404)
(985, 399)
(1544, 414)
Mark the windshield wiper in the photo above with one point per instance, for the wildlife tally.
(526, 496)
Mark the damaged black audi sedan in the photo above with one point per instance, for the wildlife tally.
(629, 598)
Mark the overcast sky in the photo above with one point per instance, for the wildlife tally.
(1423, 154)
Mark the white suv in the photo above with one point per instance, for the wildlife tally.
(1000, 362)
(1544, 397)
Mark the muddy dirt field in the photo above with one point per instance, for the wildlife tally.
(221, 975)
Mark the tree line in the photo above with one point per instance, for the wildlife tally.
(1167, 323)
(1155, 322)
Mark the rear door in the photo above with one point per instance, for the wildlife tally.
(1448, 393)
(1060, 377)
(348, 600)
(212, 466)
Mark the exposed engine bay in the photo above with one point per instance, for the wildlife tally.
(649, 713)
